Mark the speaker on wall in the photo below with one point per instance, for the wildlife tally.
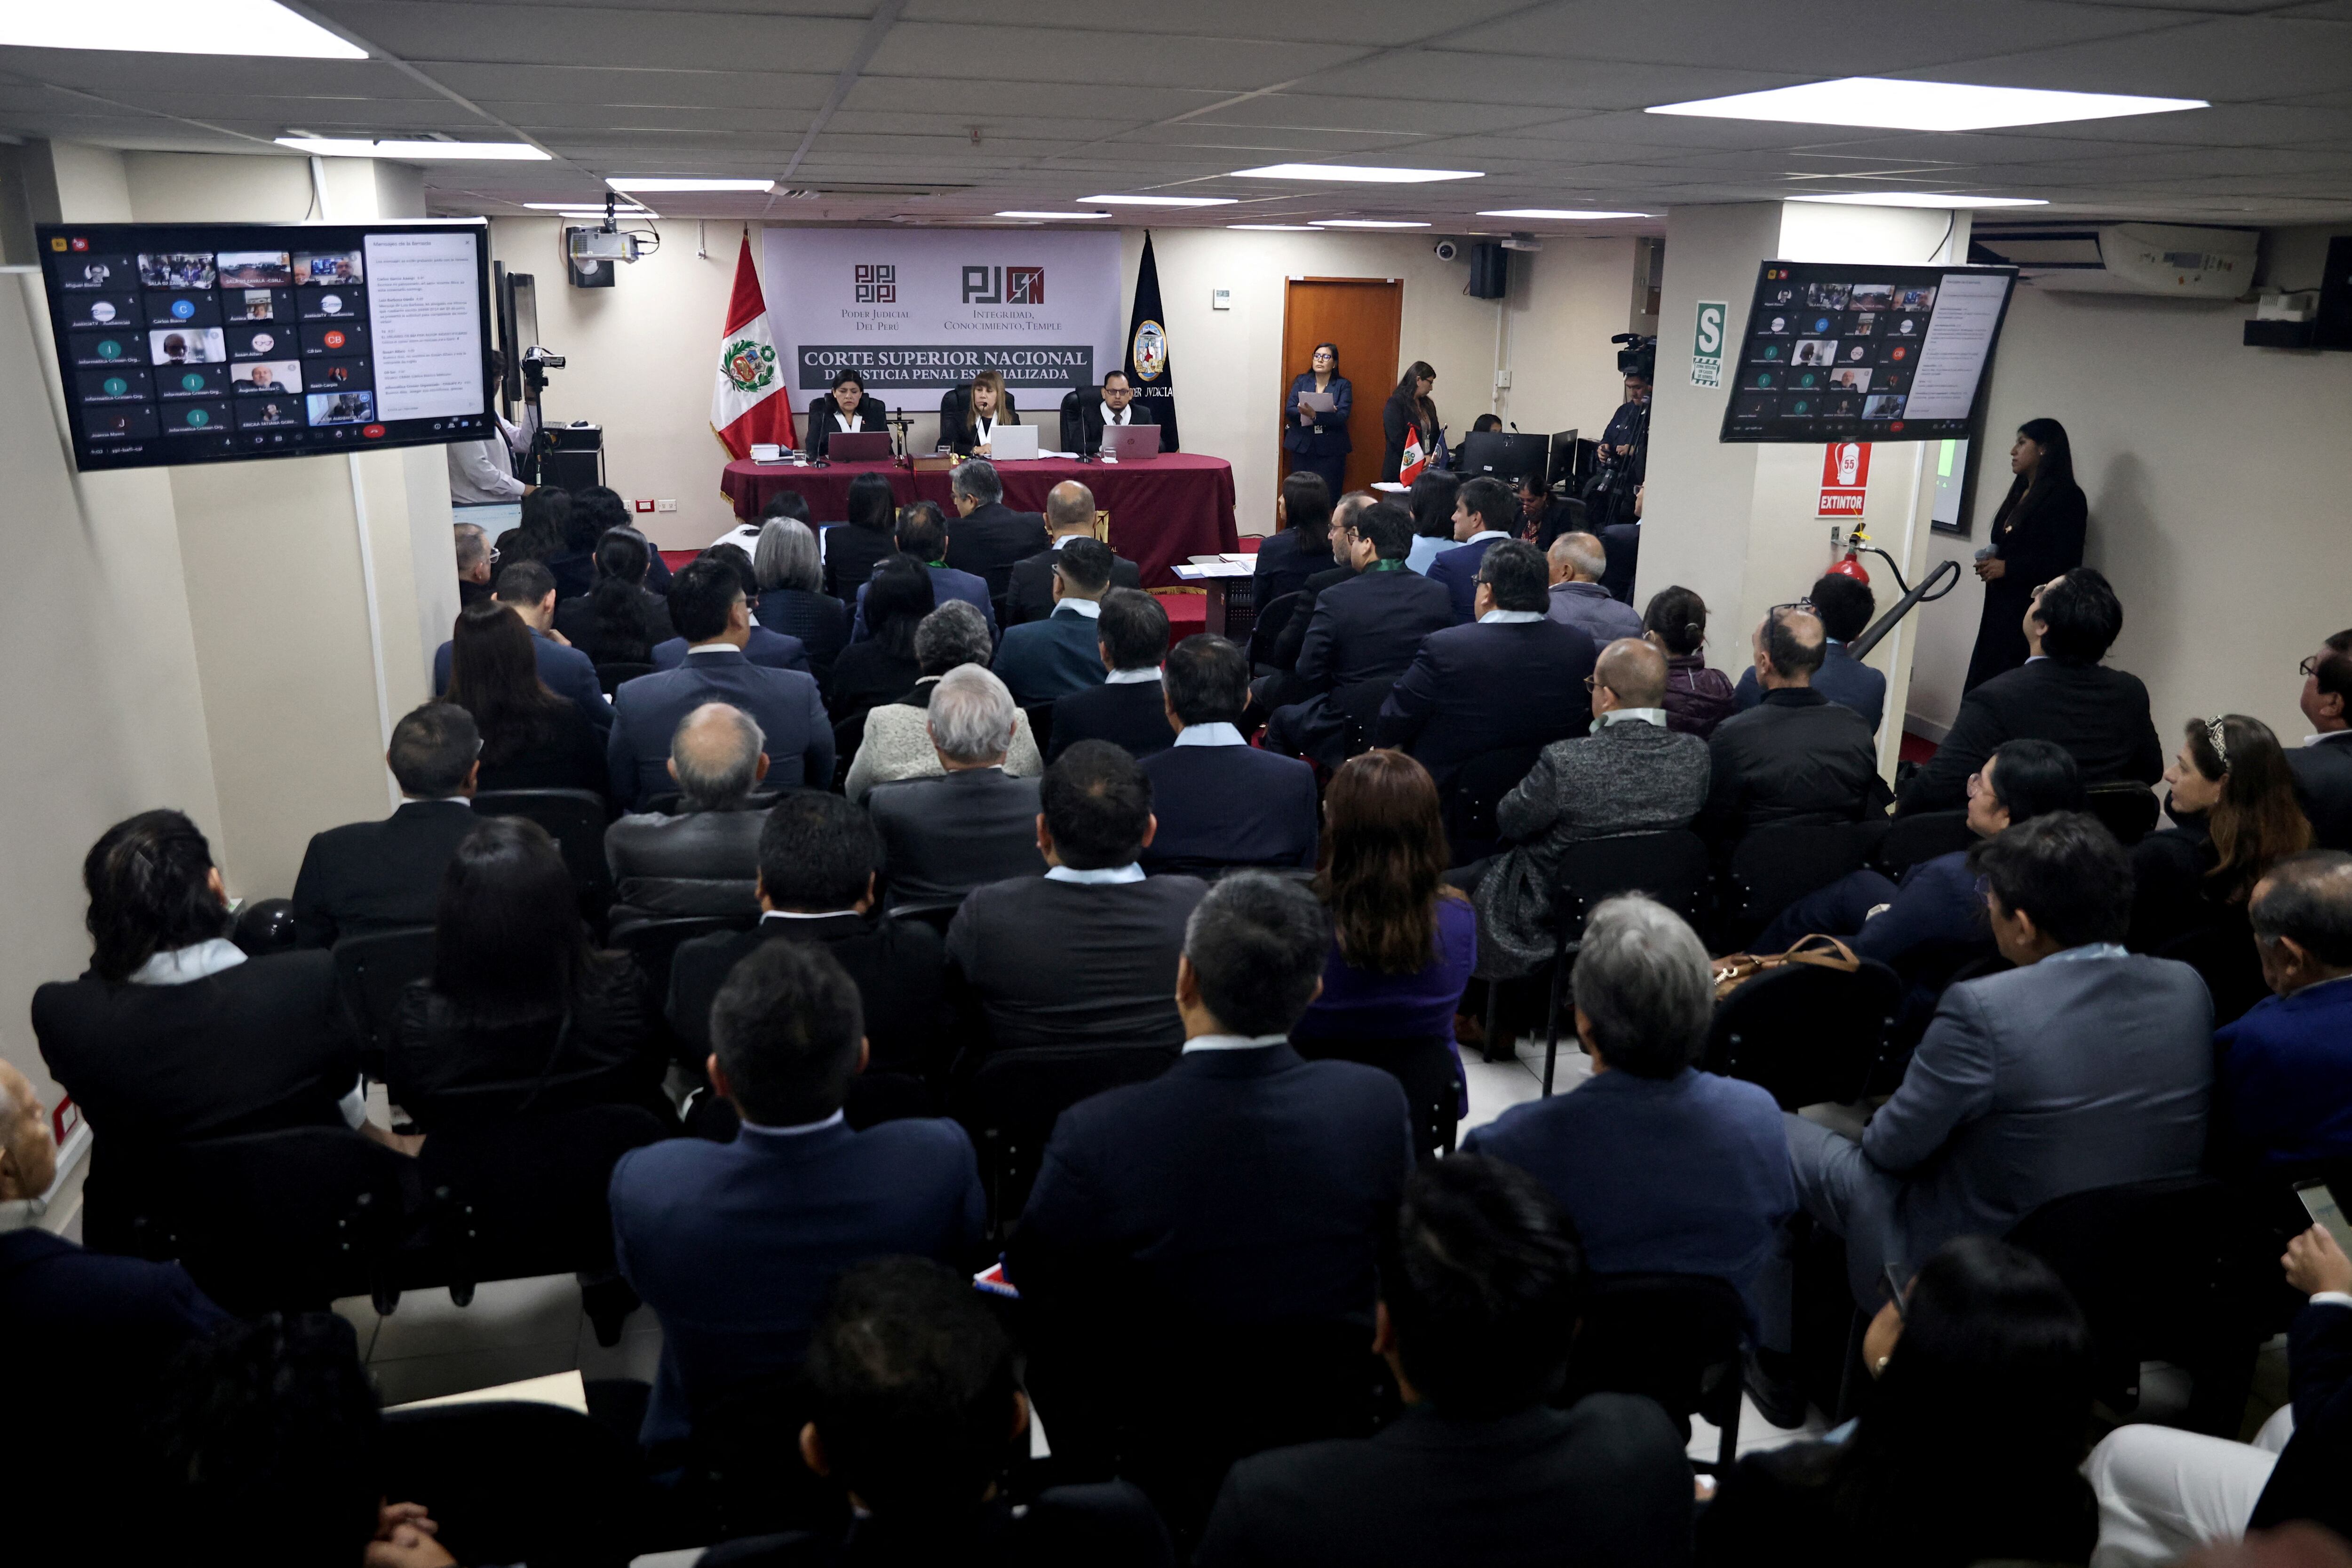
(1490, 272)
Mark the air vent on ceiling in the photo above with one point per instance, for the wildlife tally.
(2122, 258)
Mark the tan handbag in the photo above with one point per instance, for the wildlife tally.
(1734, 969)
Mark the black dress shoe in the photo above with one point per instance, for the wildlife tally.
(1772, 1381)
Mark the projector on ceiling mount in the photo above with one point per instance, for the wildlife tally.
(2187, 263)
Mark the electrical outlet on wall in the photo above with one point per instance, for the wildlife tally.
(641, 506)
(665, 506)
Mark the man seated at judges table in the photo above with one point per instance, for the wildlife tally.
(1081, 955)
(1797, 758)
(2286, 1065)
(1845, 607)
(943, 837)
(1578, 561)
(473, 563)
(1362, 634)
(1117, 407)
(528, 588)
(2323, 763)
(1514, 678)
(366, 878)
(708, 604)
(1128, 709)
(1485, 514)
(734, 1244)
(2083, 1067)
(2061, 693)
(818, 859)
(987, 536)
(1043, 661)
(922, 535)
(702, 859)
(1070, 514)
(1219, 799)
(765, 646)
(1480, 1284)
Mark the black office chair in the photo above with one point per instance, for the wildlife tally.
(1074, 423)
(575, 819)
(937, 913)
(289, 1221)
(1676, 1338)
(1468, 799)
(1911, 839)
(610, 676)
(1426, 1066)
(1012, 1101)
(654, 942)
(1672, 867)
(2226, 959)
(2129, 809)
(1772, 867)
(372, 971)
(1272, 617)
(1807, 1034)
(513, 1482)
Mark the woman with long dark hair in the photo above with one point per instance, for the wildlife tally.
(883, 668)
(1317, 439)
(1407, 411)
(1432, 498)
(619, 620)
(531, 739)
(1301, 543)
(852, 548)
(519, 1014)
(1698, 698)
(2036, 535)
(540, 535)
(1968, 1450)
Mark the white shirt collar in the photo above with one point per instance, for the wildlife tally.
(2088, 950)
(2329, 735)
(1232, 1042)
(797, 1129)
(1116, 416)
(1131, 677)
(22, 1214)
(1634, 716)
(1090, 608)
(843, 421)
(805, 915)
(1100, 877)
(2036, 657)
(177, 966)
(1061, 539)
(437, 800)
(1486, 533)
(1510, 617)
(1210, 735)
(714, 647)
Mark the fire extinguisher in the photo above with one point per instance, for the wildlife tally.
(1851, 565)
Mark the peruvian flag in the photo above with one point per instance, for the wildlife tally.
(1414, 460)
(746, 405)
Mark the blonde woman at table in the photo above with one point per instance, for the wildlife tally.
(986, 405)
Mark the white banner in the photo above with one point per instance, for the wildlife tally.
(922, 310)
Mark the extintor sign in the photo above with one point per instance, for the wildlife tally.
(1845, 476)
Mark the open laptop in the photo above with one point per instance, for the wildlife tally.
(857, 446)
(1126, 443)
(1012, 443)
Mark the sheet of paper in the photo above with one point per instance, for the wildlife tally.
(564, 1388)
(1319, 402)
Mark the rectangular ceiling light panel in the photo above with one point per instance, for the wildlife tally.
(1885, 103)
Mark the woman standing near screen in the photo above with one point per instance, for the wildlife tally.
(986, 405)
(2037, 534)
(1317, 439)
(1409, 410)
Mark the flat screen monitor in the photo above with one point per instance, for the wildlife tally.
(1561, 467)
(213, 343)
(1837, 352)
(1503, 455)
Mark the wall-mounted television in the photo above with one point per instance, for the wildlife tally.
(1840, 351)
(215, 342)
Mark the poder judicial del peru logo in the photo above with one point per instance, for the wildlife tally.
(877, 283)
(1003, 285)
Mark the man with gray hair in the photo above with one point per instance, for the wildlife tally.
(700, 854)
(1665, 1168)
(943, 837)
(988, 536)
(1070, 514)
(897, 740)
(473, 565)
(1577, 563)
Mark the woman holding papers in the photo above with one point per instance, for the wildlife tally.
(1409, 413)
(1315, 420)
(985, 406)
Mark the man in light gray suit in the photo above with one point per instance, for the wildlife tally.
(2084, 1066)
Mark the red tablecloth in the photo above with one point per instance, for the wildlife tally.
(1162, 510)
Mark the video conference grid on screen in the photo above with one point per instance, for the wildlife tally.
(195, 343)
(1839, 352)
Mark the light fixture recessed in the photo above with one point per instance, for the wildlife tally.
(1356, 172)
(1937, 199)
(627, 183)
(1885, 103)
(1364, 223)
(1051, 218)
(1549, 212)
(414, 151)
(1276, 227)
(1162, 201)
(249, 28)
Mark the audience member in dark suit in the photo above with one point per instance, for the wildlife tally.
(1968, 1450)
(1219, 799)
(922, 535)
(1845, 606)
(914, 1408)
(703, 858)
(1128, 709)
(578, 527)
(791, 599)
(519, 1014)
(734, 1244)
(852, 548)
(1577, 561)
(770, 649)
(819, 858)
(847, 410)
(527, 590)
(1080, 956)
(1698, 698)
(967, 429)
(531, 739)
(943, 837)
(2323, 763)
(1362, 634)
(988, 537)
(1029, 586)
(173, 1034)
(1665, 1169)
(619, 620)
(2063, 693)
(1514, 678)
(1479, 1287)
(1274, 657)
(708, 605)
(2285, 1067)
(1797, 758)
(369, 877)
(1485, 514)
(1061, 656)
(1300, 545)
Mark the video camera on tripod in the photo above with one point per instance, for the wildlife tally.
(1609, 497)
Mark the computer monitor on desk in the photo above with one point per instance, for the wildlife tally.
(1012, 444)
(1500, 455)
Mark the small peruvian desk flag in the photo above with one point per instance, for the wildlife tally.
(748, 403)
(1414, 459)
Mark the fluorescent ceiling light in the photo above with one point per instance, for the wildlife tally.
(627, 183)
(1363, 223)
(252, 28)
(1554, 213)
(1922, 105)
(581, 208)
(420, 151)
(1051, 216)
(1918, 199)
(1276, 227)
(1356, 173)
(1162, 201)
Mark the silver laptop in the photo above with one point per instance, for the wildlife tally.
(1012, 443)
(1126, 443)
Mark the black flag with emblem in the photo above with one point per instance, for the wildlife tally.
(1148, 368)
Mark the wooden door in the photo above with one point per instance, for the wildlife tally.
(1363, 316)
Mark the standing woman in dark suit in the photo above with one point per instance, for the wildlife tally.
(1317, 443)
(1409, 409)
(852, 548)
(848, 411)
(985, 406)
(2037, 534)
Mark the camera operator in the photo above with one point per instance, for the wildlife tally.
(482, 473)
(1613, 498)
(1630, 424)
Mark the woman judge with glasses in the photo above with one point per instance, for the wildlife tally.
(1317, 438)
